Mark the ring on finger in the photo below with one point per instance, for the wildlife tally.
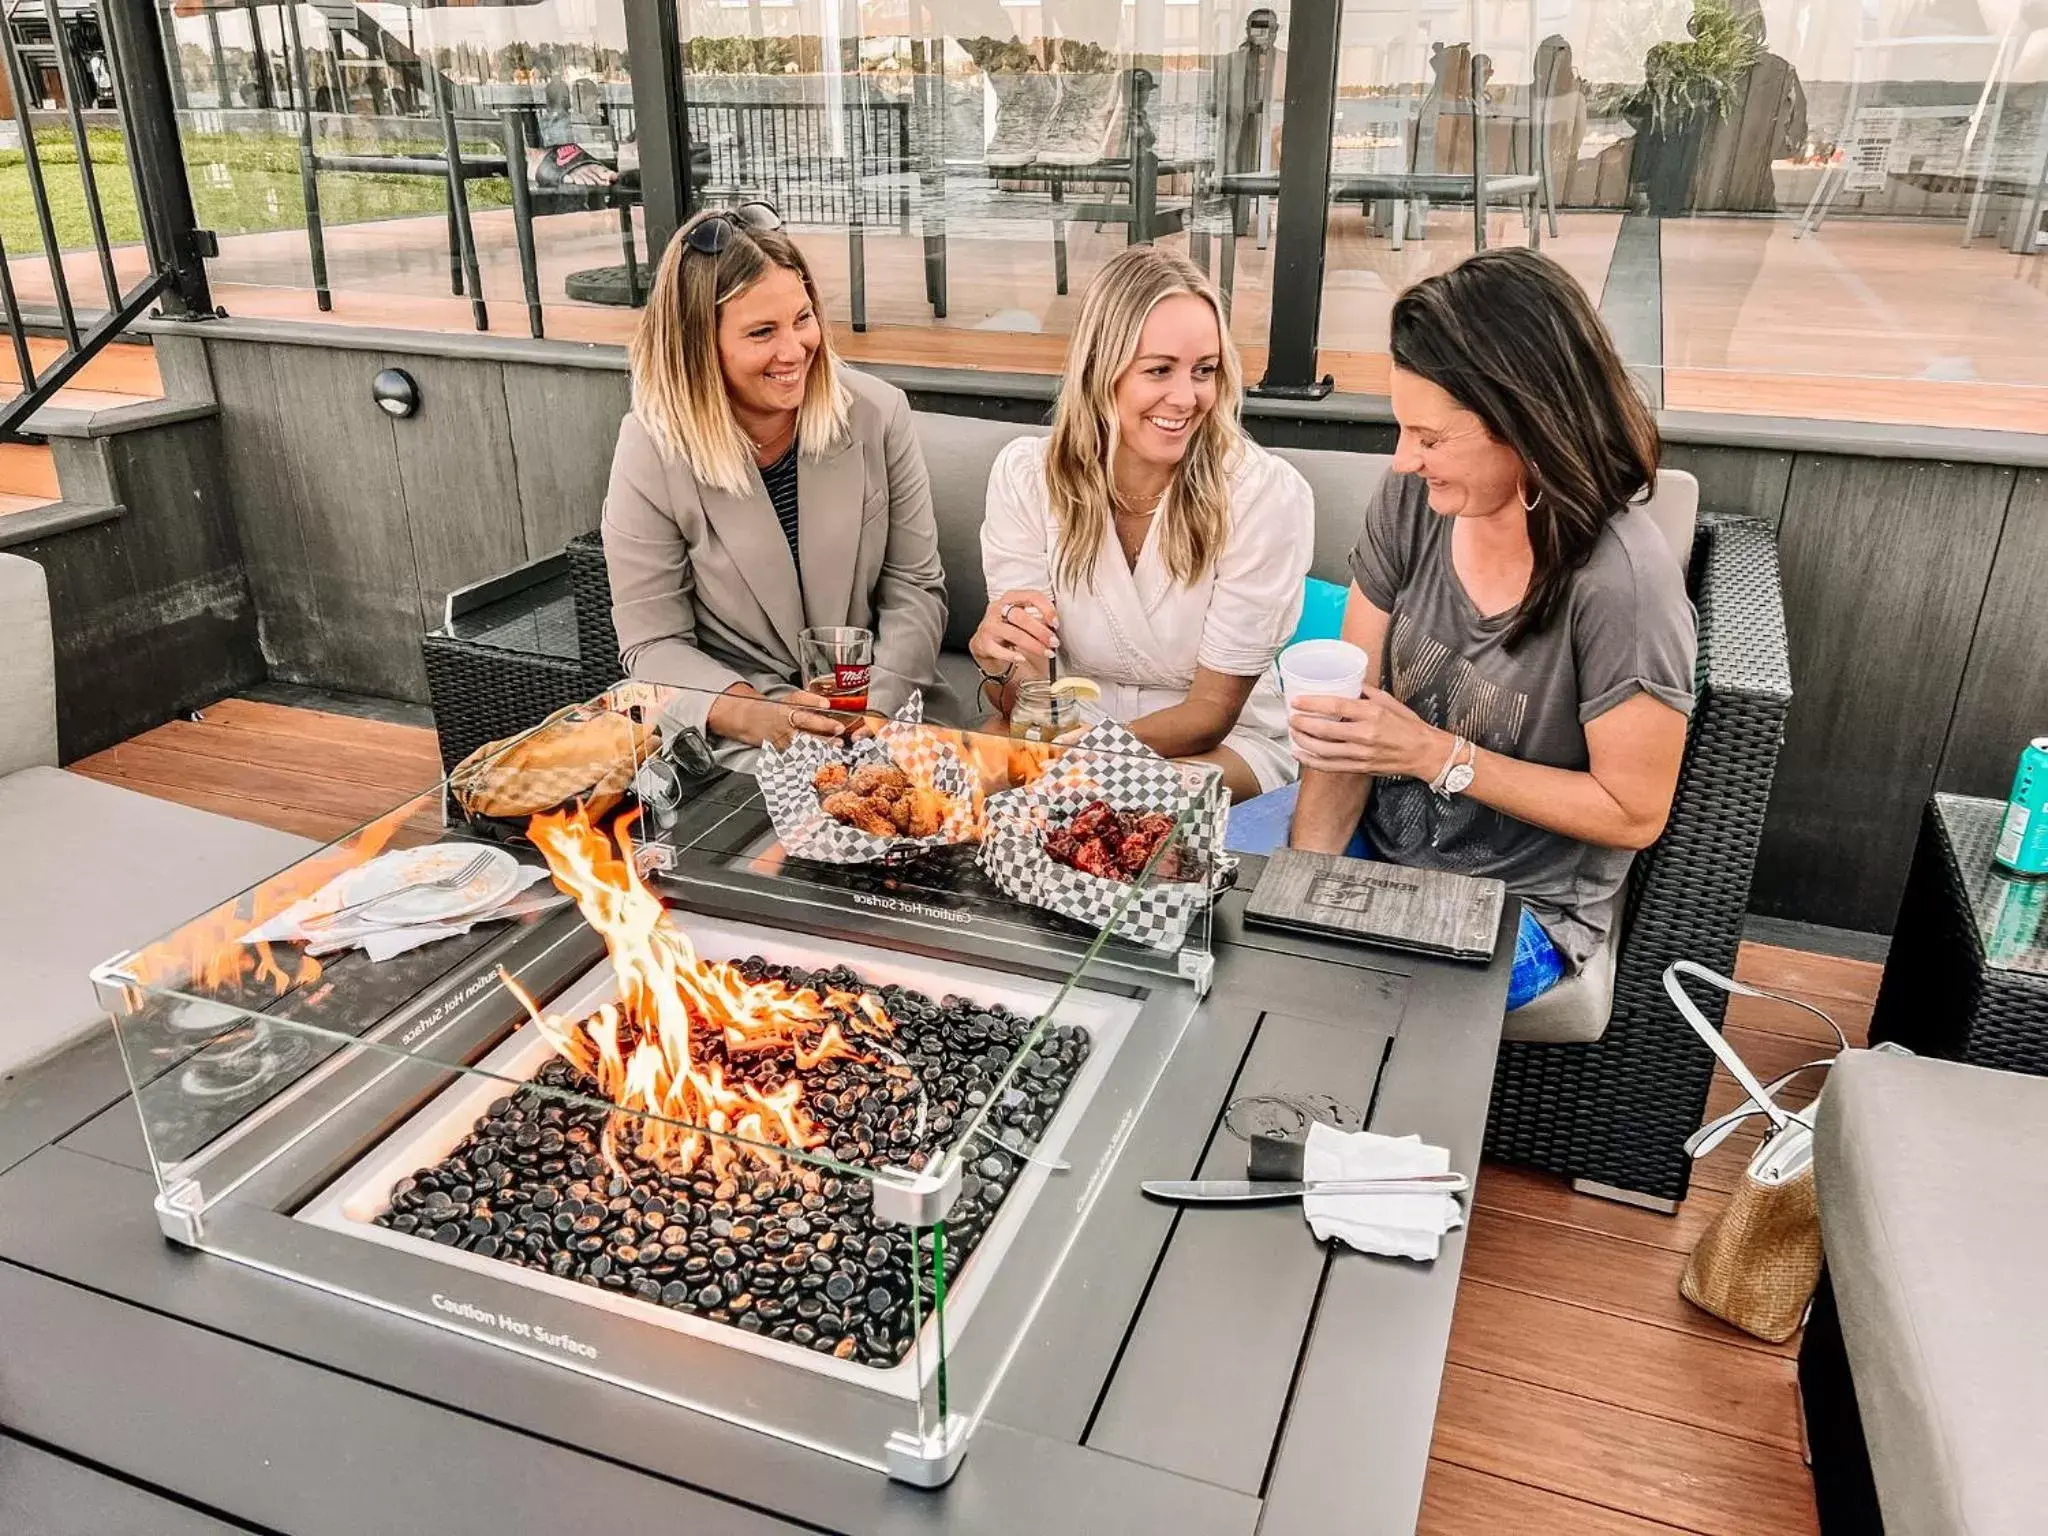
(1005, 614)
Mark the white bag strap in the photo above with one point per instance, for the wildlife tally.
(1718, 1130)
(1759, 1095)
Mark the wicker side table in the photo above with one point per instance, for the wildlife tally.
(505, 660)
(1968, 973)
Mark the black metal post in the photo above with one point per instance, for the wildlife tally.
(220, 61)
(309, 161)
(512, 130)
(24, 363)
(264, 99)
(458, 196)
(654, 54)
(1297, 285)
(1480, 67)
(143, 86)
(18, 81)
(74, 112)
(177, 65)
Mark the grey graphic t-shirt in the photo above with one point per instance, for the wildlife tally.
(1626, 627)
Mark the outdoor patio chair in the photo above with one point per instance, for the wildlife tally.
(1613, 1114)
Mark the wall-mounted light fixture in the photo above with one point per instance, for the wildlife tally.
(395, 392)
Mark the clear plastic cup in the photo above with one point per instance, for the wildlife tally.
(1322, 669)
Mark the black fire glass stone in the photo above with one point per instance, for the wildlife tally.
(783, 1247)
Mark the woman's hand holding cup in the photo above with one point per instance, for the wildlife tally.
(1374, 733)
(1339, 724)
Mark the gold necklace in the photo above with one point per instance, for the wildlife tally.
(778, 439)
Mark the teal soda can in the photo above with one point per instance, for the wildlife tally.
(2023, 836)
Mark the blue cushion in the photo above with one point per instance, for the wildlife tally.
(1322, 611)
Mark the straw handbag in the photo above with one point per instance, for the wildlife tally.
(1758, 1264)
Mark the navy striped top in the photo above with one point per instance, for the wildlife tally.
(780, 479)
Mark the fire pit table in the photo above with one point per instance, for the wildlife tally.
(713, 1184)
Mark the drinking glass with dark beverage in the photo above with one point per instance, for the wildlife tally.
(836, 661)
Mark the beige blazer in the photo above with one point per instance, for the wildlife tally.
(704, 594)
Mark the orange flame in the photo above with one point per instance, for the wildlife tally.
(207, 955)
(662, 1050)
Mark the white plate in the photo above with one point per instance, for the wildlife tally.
(392, 874)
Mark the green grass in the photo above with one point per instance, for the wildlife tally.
(241, 184)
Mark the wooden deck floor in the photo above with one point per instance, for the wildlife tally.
(1583, 1395)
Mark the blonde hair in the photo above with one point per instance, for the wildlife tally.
(1195, 516)
(678, 385)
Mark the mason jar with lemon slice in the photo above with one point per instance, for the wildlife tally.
(1041, 713)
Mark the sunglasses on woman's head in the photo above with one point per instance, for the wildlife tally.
(712, 234)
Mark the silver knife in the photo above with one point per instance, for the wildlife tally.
(1252, 1191)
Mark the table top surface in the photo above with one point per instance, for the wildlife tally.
(2010, 911)
(1193, 1370)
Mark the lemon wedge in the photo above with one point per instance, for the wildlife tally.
(1079, 690)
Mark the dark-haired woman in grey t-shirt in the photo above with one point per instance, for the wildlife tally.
(1530, 638)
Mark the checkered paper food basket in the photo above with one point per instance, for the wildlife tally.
(1107, 763)
(798, 810)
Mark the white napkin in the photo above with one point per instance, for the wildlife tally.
(381, 941)
(1406, 1226)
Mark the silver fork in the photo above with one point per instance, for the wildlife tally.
(460, 877)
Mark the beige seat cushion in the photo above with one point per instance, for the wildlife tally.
(1572, 1012)
(1933, 1183)
(28, 674)
(92, 870)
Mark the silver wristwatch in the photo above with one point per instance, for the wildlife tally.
(1455, 777)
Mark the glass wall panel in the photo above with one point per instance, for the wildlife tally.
(967, 166)
(319, 139)
(1804, 208)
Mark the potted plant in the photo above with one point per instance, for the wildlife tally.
(1685, 84)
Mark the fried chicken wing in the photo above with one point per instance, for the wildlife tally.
(927, 809)
(876, 777)
(829, 779)
(860, 811)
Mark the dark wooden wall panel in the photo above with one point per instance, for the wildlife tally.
(455, 468)
(2004, 698)
(151, 611)
(343, 467)
(1748, 481)
(289, 621)
(565, 424)
(1885, 563)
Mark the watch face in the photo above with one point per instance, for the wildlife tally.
(1459, 779)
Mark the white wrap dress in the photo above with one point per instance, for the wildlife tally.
(1140, 634)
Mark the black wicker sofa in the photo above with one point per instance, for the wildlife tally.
(1613, 1113)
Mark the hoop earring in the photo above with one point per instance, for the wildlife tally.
(1529, 504)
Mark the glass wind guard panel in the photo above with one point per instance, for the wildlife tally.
(625, 1087)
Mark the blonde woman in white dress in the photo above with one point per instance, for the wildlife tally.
(1148, 541)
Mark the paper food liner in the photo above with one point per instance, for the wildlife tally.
(798, 810)
(1106, 763)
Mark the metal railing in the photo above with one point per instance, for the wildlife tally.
(33, 31)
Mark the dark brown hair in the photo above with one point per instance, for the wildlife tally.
(1512, 337)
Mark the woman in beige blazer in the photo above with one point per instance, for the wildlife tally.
(761, 488)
